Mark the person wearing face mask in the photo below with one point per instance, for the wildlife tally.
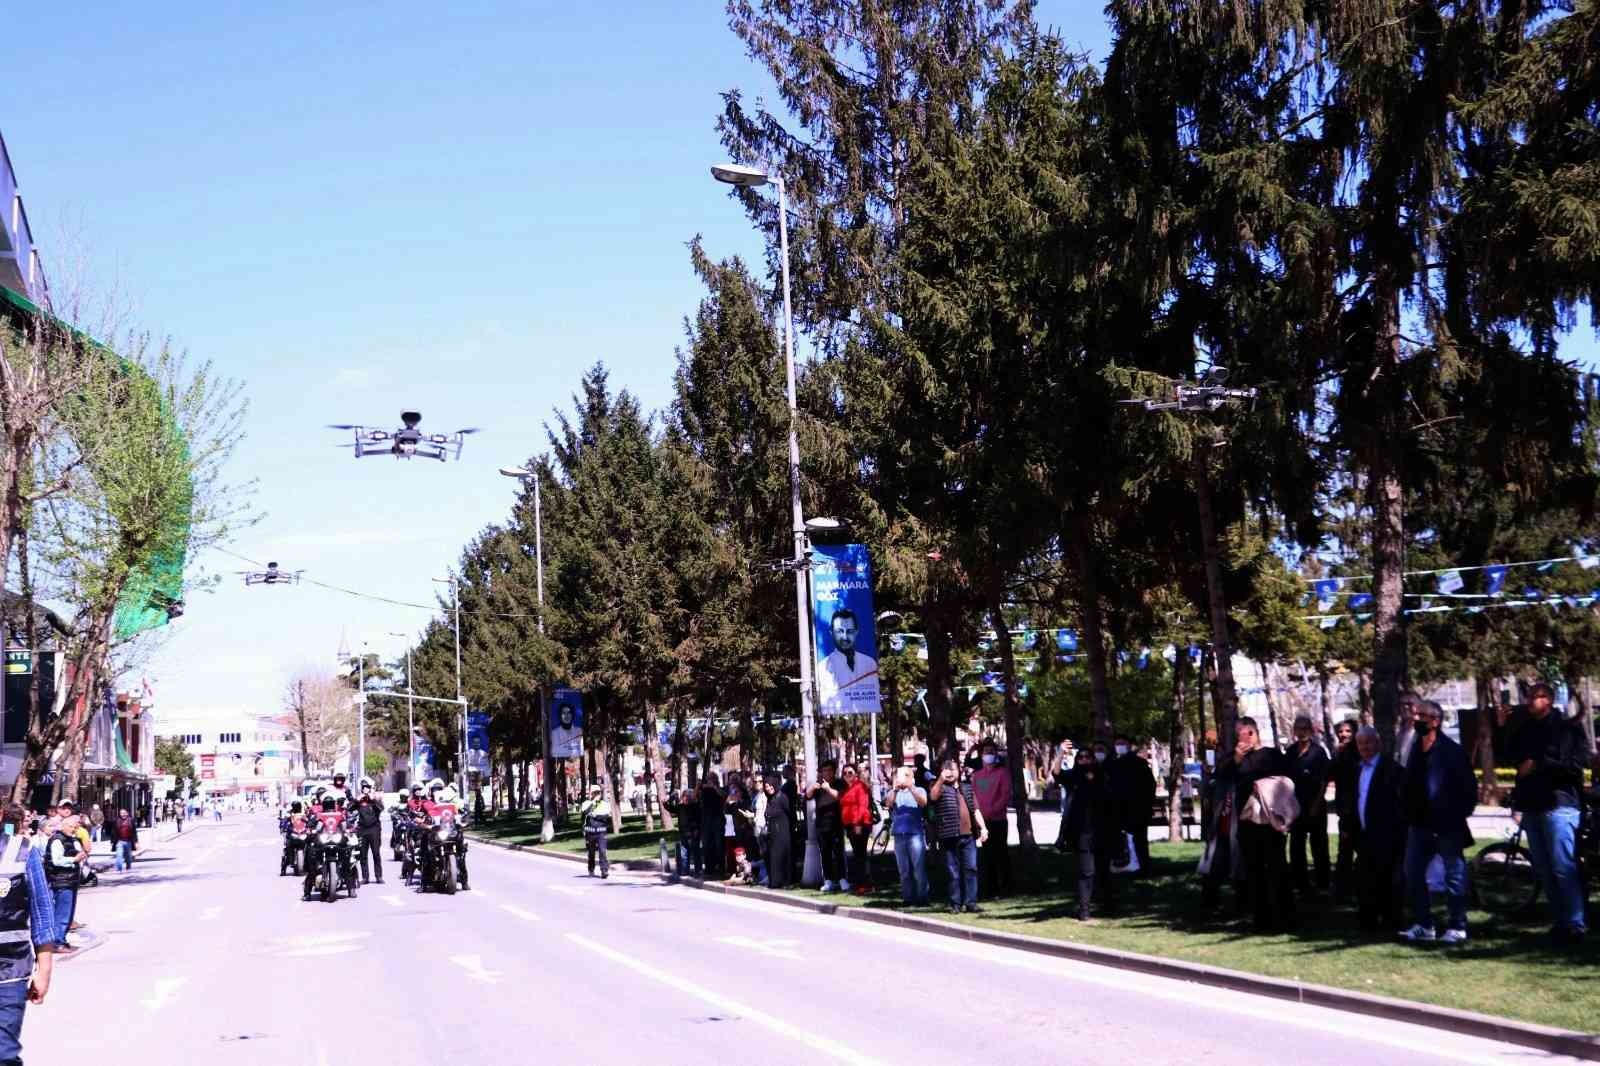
(1092, 827)
(1133, 788)
(1440, 792)
(992, 783)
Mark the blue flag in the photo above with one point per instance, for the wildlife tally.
(1449, 582)
(1360, 600)
(1327, 589)
(1494, 579)
(1066, 640)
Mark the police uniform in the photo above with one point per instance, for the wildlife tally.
(596, 815)
(27, 918)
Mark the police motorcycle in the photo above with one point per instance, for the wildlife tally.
(400, 833)
(296, 837)
(443, 847)
(330, 859)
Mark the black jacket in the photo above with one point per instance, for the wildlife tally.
(1559, 751)
(1341, 771)
(1133, 787)
(1094, 809)
(369, 815)
(1244, 773)
(1310, 772)
(1445, 788)
(1385, 832)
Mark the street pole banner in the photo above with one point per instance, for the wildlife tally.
(422, 772)
(566, 724)
(846, 644)
(478, 742)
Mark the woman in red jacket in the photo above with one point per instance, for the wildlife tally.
(855, 812)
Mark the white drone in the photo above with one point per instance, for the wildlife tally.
(1211, 394)
(272, 576)
(407, 441)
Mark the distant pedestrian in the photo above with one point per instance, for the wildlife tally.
(1549, 753)
(1440, 792)
(97, 821)
(686, 809)
(1310, 766)
(27, 913)
(1094, 828)
(991, 784)
(780, 832)
(855, 813)
(63, 869)
(124, 839)
(961, 831)
(830, 828)
(907, 804)
(713, 815)
(369, 830)
(1261, 846)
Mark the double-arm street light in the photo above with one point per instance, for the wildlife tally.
(752, 177)
(547, 828)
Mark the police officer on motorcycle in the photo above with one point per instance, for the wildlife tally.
(328, 819)
(369, 826)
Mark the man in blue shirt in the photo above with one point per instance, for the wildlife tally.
(27, 932)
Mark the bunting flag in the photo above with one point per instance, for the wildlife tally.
(897, 642)
(1494, 579)
(1450, 581)
(1547, 566)
(1589, 562)
(1329, 621)
(1360, 600)
(1030, 639)
(1531, 593)
(1066, 640)
(1144, 658)
(1326, 590)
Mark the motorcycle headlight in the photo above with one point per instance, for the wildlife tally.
(326, 838)
(443, 835)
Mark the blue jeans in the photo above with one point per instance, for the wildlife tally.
(911, 857)
(689, 854)
(961, 860)
(124, 853)
(66, 900)
(13, 1001)
(1421, 846)
(1553, 839)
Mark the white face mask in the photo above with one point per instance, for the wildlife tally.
(1099, 756)
(988, 760)
(1122, 749)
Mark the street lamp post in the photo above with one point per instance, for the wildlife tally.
(751, 177)
(461, 753)
(547, 792)
(411, 715)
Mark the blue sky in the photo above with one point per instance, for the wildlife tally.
(358, 208)
(362, 207)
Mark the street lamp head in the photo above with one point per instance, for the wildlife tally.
(890, 619)
(516, 471)
(822, 523)
(739, 174)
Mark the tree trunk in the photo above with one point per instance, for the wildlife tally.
(653, 767)
(608, 788)
(747, 738)
(1227, 696)
(1580, 693)
(769, 742)
(1325, 691)
(1175, 751)
(1272, 703)
(1364, 696)
(1013, 714)
(1386, 497)
(1489, 786)
(679, 782)
(940, 682)
(1094, 644)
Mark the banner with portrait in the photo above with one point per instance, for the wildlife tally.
(566, 724)
(845, 630)
(423, 771)
(478, 743)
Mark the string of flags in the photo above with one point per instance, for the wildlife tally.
(1530, 598)
(1448, 581)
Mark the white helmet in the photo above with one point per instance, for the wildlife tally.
(448, 794)
(366, 782)
(435, 785)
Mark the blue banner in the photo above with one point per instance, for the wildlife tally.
(846, 644)
(1494, 579)
(423, 771)
(566, 724)
(478, 742)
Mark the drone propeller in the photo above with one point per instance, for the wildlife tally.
(1131, 401)
(464, 432)
(344, 425)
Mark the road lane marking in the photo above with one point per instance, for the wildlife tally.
(566, 890)
(473, 964)
(393, 901)
(165, 992)
(834, 1050)
(777, 949)
(518, 912)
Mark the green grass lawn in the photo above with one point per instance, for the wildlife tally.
(634, 842)
(1506, 969)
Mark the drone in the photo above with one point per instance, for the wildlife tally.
(407, 441)
(1211, 394)
(272, 576)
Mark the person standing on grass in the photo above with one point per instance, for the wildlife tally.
(27, 913)
(961, 831)
(907, 803)
(1372, 817)
(713, 816)
(1342, 770)
(1261, 846)
(1311, 765)
(1440, 792)
(830, 826)
(855, 812)
(991, 783)
(1550, 754)
(1093, 827)
(1133, 786)
(780, 832)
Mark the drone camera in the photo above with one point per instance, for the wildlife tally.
(410, 419)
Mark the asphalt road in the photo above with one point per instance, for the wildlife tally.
(210, 958)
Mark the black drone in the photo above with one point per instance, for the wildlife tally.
(272, 576)
(1211, 394)
(407, 441)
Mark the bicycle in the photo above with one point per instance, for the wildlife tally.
(882, 837)
(1503, 875)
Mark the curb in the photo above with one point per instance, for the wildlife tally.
(1468, 1023)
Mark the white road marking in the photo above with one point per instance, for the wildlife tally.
(473, 964)
(777, 949)
(166, 991)
(566, 890)
(518, 912)
(393, 901)
(832, 1049)
(316, 945)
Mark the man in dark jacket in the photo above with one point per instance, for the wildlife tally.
(713, 817)
(1133, 788)
(1309, 764)
(1092, 827)
(1341, 771)
(1267, 884)
(1440, 793)
(369, 826)
(1370, 812)
(1549, 753)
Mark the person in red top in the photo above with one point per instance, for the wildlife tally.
(855, 813)
(992, 785)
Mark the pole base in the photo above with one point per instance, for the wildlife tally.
(811, 869)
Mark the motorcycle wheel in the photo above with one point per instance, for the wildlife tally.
(328, 882)
(447, 880)
(351, 884)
